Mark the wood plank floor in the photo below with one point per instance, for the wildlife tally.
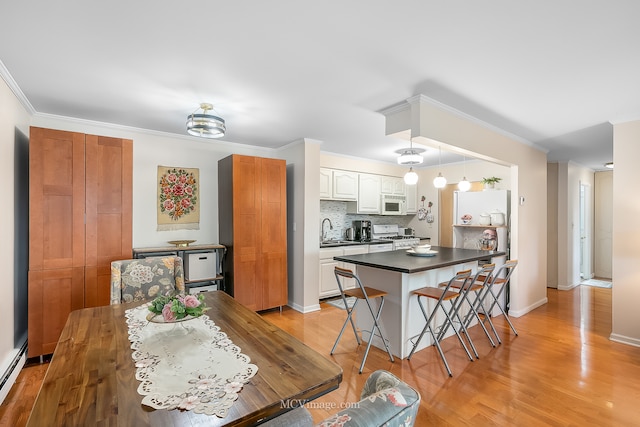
(562, 370)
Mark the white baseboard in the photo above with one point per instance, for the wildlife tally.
(625, 340)
(518, 313)
(304, 309)
(11, 367)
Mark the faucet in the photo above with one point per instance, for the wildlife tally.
(324, 234)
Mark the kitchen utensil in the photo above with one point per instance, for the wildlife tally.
(485, 219)
(350, 233)
(497, 217)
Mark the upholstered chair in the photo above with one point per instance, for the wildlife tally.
(146, 278)
(385, 401)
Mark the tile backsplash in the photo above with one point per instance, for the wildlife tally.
(341, 220)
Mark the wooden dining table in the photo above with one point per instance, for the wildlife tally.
(91, 377)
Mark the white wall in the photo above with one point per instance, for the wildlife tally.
(303, 211)
(14, 120)
(603, 224)
(626, 234)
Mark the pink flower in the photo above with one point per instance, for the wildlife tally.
(172, 177)
(233, 387)
(189, 403)
(178, 190)
(183, 179)
(185, 203)
(189, 190)
(191, 301)
(169, 205)
(167, 314)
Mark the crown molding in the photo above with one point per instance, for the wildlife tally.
(8, 79)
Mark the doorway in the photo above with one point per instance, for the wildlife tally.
(585, 232)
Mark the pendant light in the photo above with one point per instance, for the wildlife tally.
(410, 156)
(439, 181)
(205, 125)
(411, 178)
(464, 185)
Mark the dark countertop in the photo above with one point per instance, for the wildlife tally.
(402, 262)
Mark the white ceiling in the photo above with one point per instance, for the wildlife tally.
(554, 73)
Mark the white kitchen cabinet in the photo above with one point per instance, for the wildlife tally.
(369, 193)
(412, 199)
(392, 185)
(326, 183)
(338, 184)
(345, 185)
(328, 283)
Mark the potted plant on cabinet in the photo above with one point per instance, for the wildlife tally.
(490, 183)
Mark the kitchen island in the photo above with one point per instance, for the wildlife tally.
(398, 273)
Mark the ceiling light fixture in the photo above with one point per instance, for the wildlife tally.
(410, 156)
(609, 165)
(464, 185)
(411, 178)
(205, 125)
(439, 181)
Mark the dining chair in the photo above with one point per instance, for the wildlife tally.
(442, 295)
(493, 297)
(360, 293)
(146, 278)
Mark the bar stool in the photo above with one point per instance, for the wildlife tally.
(360, 292)
(441, 295)
(477, 287)
(494, 298)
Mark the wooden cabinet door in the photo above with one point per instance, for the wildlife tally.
(53, 294)
(272, 267)
(56, 199)
(247, 284)
(109, 186)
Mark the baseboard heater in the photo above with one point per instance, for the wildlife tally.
(12, 371)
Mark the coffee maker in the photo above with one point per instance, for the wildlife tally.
(363, 230)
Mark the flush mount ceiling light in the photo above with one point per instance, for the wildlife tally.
(205, 125)
(410, 156)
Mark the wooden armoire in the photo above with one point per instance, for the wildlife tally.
(252, 211)
(80, 219)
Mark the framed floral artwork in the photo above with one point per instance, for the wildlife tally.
(178, 201)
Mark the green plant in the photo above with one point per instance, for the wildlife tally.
(491, 180)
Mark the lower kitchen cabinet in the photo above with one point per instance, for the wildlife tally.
(328, 283)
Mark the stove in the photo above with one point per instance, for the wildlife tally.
(390, 232)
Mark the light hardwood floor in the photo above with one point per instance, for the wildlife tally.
(561, 370)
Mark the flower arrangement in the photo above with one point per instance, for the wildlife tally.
(177, 307)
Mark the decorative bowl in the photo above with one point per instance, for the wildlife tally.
(181, 243)
(422, 249)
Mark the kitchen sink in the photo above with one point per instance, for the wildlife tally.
(333, 243)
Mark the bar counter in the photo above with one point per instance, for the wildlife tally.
(399, 273)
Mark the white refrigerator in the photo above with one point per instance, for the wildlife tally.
(469, 236)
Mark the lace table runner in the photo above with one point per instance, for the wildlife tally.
(189, 365)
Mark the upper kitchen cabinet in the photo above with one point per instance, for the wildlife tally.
(338, 184)
(80, 199)
(412, 198)
(369, 186)
(393, 185)
(252, 213)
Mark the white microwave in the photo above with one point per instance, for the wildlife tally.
(393, 205)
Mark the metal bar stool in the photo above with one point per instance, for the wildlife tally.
(441, 295)
(476, 286)
(508, 267)
(365, 293)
